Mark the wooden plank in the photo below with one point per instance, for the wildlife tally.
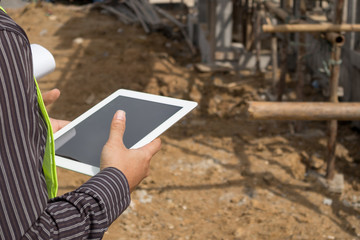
(305, 27)
(274, 59)
(283, 66)
(314, 111)
(335, 38)
(334, 84)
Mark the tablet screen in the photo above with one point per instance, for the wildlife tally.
(84, 142)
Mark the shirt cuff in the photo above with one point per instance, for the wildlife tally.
(111, 188)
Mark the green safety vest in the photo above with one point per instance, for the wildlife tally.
(49, 166)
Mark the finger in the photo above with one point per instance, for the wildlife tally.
(153, 147)
(58, 124)
(62, 123)
(51, 96)
(117, 128)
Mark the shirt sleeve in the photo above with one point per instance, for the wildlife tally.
(25, 211)
(85, 213)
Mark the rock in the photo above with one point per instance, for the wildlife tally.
(239, 232)
(270, 140)
(351, 138)
(346, 203)
(356, 202)
(311, 133)
(294, 164)
(90, 99)
(330, 237)
(78, 41)
(305, 156)
(241, 202)
(43, 32)
(189, 66)
(198, 122)
(291, 96)
(327, 201)
(52, 18)
(143, 196)
(195, 94)
(322, 181)
(130, 209)
(336, 185)
(343, 152)
(268, 177)
(316, 162)
(260, 147)
(278, 152)
(142, 37)
(227, 197)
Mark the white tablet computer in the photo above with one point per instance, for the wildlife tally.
(78, 145)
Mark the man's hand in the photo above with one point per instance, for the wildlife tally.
(57, 124)
(135, 164)
(49, 98)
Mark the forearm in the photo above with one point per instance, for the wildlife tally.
(86, 212)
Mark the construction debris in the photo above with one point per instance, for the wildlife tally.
(135, 11)
(146, 14)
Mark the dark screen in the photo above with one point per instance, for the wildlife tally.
(86, 142)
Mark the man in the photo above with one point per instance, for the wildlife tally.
(25, 210)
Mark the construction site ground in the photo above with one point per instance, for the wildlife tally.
(218, 175)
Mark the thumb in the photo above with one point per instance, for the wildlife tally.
(117, 128)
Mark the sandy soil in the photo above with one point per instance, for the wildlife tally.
(219, 175)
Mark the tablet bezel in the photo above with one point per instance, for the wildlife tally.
(186, 107)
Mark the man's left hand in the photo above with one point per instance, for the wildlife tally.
(49, 98)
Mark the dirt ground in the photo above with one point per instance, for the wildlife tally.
(219, 175)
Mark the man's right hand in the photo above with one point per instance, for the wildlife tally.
(134, 163)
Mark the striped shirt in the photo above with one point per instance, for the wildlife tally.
(25, 211)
